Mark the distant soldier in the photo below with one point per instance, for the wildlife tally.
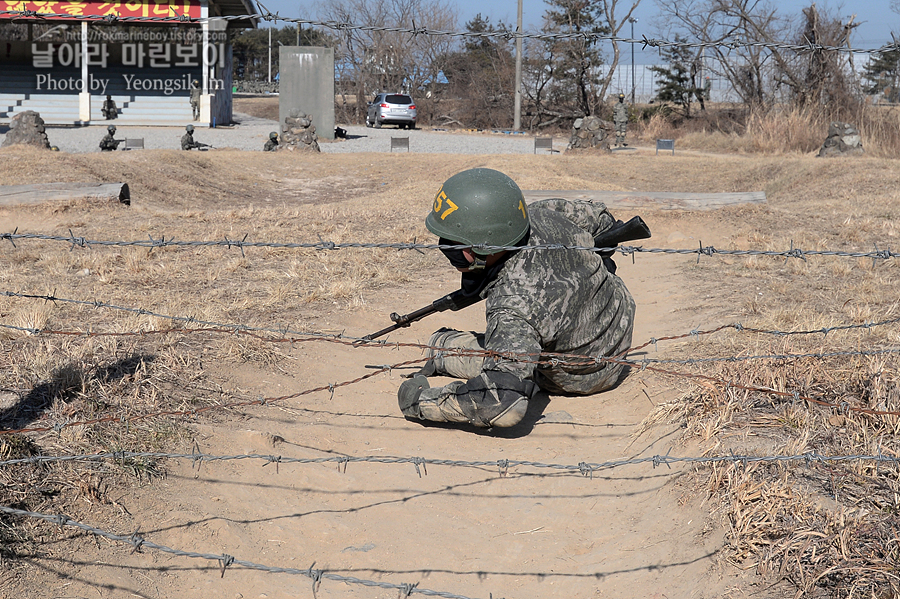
(620, 119)
(187, 140)
(109, 141)
(195, 99)
(109, 110)
(271, 143)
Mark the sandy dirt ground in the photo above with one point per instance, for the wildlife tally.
(463, 530)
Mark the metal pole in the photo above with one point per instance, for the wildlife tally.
(633, 83)
(270, 55)
(517, 116)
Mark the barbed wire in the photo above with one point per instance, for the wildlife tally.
(545, 359)
(585, 468)
(343, 338)
(795, 396)
(225, 560)
(321, 245)
(193, 412)
(571, 359)
(507, 35)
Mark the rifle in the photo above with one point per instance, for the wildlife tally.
(201, 145)
(620, 232)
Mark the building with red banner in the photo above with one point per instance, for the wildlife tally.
(63, 59)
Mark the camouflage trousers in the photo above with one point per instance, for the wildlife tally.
(620, 133)
(553, 380)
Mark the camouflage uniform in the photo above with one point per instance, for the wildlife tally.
(187, 142)
(109, 110)
(542, 301)
(195, 100)
(109, 143)
(620, 118)
(271, 145)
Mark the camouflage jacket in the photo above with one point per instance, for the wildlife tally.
(109, 143)
(559, 302)
(270, 146)
(187, 142)
(620, 113)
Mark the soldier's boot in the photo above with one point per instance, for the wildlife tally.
(496, 400)
(456, 408)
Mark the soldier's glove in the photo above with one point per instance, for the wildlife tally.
(408, 395)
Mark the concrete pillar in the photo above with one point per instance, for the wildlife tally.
(205, 108)
(306, 84)
(84, 97)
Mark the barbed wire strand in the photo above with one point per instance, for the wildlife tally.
(343, 338)
(843, 406)
(571, 359)
(507, 35)
(321, 245)
(584, 467)
(224, 560)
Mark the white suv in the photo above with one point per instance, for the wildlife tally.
(391, 109)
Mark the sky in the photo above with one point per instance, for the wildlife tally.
(876, 18)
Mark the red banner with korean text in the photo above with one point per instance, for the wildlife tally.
(94, 10)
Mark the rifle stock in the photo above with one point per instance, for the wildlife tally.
(620, 232)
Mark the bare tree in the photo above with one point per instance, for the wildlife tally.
(716, 23)
(767, 61)
(372, 60)
(609, 12)
(821, 76)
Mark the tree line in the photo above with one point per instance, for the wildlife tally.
(470, 81)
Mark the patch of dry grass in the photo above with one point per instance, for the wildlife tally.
(263, 108)
(830, 528)
(781, 130)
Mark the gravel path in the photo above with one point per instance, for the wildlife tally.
(251, 133)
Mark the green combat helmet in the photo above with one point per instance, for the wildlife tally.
(111, 128)
(189, 128)
(621, 96)
(479, 206)
(273, 135)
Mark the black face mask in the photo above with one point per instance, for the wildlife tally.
(475, 278)
(456, 257)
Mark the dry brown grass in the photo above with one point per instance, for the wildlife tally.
(263, 108)
(828, 528)
(777, 131)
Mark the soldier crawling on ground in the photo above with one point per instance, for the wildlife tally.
(271, 143)
(109, 141)
(568, 302)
